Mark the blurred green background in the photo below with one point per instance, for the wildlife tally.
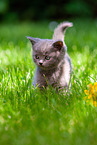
(11, 10)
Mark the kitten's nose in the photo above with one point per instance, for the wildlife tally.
(41, 62)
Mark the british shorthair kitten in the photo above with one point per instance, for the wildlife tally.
(52, 61)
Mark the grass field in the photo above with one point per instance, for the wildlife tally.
(46, 118)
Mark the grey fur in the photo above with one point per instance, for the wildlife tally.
(53, 62)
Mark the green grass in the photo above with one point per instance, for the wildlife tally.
(46, 118)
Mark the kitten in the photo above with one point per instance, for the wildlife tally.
(53, 62)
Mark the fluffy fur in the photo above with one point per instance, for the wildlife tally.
(53, 62)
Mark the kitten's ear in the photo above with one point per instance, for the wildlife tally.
(33, 40)
(58, 45)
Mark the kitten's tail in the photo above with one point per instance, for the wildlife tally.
(60, 30)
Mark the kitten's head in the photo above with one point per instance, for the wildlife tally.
(47, 54)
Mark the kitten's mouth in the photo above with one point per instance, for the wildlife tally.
(41, 66)
(46, 68)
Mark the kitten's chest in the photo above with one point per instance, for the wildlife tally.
(54, 77)
(50, 77)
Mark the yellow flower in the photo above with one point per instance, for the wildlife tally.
(92, 101)
(92, 90)
(91, 94)
(86, 92)
(95, 103)
(95, 86)
(90, 87)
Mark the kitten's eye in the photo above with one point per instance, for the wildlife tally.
(47, 57)
(36, 56)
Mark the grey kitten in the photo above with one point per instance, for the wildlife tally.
(53, 62)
